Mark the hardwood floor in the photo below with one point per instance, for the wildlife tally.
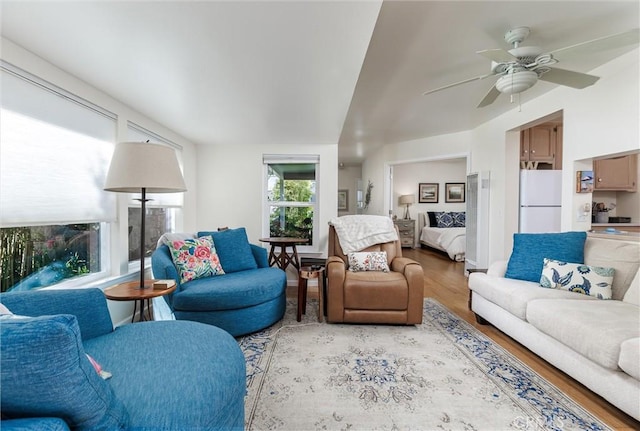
(444, 280)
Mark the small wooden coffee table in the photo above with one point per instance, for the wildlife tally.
(131, 291)
(306, 273)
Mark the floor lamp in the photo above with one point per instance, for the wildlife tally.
(141, 167)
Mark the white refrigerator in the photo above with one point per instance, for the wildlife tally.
(540, 201)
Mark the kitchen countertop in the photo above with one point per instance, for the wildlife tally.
(619, 226)
(599, 231)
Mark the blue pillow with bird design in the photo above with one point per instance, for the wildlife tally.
(577, 277)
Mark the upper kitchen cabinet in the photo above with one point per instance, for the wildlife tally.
(541, 147)
(617, 173)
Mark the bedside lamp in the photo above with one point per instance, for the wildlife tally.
(406, 200)
(141, 167)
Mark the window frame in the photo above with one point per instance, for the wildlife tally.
(273, 159)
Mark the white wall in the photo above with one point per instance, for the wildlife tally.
(407, 176)
(602, 119)
(374, 168)
(231, 182)
(348, 177)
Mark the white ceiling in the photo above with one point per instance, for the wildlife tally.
(300, 71)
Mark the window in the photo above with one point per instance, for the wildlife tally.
(55, 150)
(36, 256)
(291, 196)
(163, 209)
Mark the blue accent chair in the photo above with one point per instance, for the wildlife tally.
(166, 375)
(250, 296)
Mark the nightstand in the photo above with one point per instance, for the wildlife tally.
(407, 231)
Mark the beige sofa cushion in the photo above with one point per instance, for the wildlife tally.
(633, 293)
(513, 295)
(595, 329)
(623, 256)
(629, 360)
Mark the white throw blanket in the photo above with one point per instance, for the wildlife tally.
(357, 232)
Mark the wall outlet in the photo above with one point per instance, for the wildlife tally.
(583, 213)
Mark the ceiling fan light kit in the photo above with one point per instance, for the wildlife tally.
(516, 82)
(520, 68)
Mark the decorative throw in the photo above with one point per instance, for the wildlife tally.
(195, 258)
(368, 261)
(357, 232)
(575, 277)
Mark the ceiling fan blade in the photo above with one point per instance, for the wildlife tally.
(476, 78)
(491, 97)
(497, 55)
(608, 42)
(569, 78)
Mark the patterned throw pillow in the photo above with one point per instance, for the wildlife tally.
(368, 261)
(459, 219)
(575, 277)
(444, 219)
(195, 258)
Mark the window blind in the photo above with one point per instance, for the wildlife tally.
(55, 150)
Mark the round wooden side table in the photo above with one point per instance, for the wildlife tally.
(131, 291)
(304, 275)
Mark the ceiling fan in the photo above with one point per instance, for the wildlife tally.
(520, 68)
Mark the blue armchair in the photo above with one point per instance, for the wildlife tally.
(250, 296)
(168, 375)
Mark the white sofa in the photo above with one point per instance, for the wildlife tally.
(595, 341)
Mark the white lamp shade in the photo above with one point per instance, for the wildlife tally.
(137, 165)
(406, 199)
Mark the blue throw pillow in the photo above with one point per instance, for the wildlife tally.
(459, 219)
(233, 248)
(432, 219)
(530, 249)
(45, 373)
(444, 219)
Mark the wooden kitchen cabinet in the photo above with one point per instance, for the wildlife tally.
(540, 144)
(617, 173)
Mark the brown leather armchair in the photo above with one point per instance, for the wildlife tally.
(394, 297)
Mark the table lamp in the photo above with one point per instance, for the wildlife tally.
(406, 200)
(141, 167)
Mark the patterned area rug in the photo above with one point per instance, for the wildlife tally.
(441, 375)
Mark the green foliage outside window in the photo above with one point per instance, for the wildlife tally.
(37, 256)
(294, 219)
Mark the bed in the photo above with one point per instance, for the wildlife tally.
(449, 238)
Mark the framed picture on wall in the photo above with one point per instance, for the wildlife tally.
(428, 193)
(584, 182)
(343, 200)
(454, 192)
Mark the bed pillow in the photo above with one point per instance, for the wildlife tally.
(530, 249)
(433, 222)
(233, 247)
(368, 261)
(42, 360)
(580, 278)
(195, 258)
(459, 219)
(444, 219)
